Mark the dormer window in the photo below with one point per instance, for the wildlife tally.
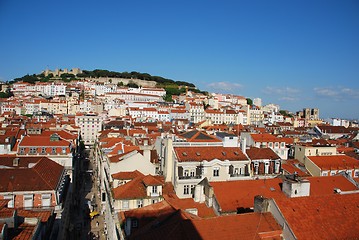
(22, 150)
(32, 150)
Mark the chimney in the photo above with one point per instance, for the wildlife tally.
(244, 145)
(168, 161)
(294, 186)
(15, 162)
(261, 204)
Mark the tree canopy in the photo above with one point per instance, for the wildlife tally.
(249, 101)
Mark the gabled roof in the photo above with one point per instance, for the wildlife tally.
(136, 189)
(196, 154)
(199, 136)
(261, 153)
(45, 175)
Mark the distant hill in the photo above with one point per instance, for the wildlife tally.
(172, 87)
(99, 73)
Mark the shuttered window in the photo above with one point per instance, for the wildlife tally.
(46, 199)
(28, 200)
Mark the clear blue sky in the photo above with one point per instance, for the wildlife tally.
(293, 53)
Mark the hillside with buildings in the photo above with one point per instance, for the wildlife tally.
(94, 158)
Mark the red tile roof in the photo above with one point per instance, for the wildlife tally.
(291, 167)
(265, 137)
(189, 203)
(42, 141)
(241, 226)
(261, 153)
(232, 195)
(335, 162)
(43, 215)
(45, 175)
(127, 175)
(322, 217)
(136, 189)
(190, 154)
(198, 136)
(181, 225)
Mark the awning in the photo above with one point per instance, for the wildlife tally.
(94, 214)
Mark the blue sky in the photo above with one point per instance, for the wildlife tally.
(293, 53)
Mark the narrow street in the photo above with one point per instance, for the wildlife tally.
(85, 199)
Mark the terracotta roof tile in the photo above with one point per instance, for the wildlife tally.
(335, 162)
(261, 153)
(33, 140)
(127, 175)
(136, 188)
(232, 195)
(322, 217)
(45, 175)
(189, 203)
(265, 137)
(189, 154)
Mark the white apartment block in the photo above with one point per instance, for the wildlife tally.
(196, 111)
(54, 89)
(90, 125)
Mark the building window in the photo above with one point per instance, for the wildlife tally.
(186, 173)
(216, 172)
(64, 150)
(139, 203)
(46, 199)
(324, 173)
(22, 150)
(276, 145)
(192, 189)
(43, 150)
(186, 190)
(356, 173)
(125, 204)
(10, 204)
(28, 200)
(53, 150)
(134, 223)
(32, 150)
(192, 173)
(154, 189)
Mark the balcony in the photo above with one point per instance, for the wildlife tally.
(189, 177)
